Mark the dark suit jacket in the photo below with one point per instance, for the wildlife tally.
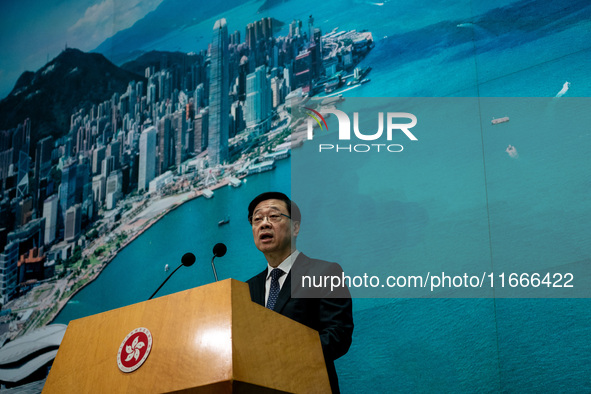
(329, 313)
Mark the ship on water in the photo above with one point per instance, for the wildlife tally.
(332, 84)
(264, 166)
(499, 120)
(207, 193)
(234, 182)
(278, 155)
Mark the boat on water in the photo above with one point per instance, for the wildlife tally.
(278, 155)
(234, 182)
(166, 268)
(207, 193)
(266, 165)
(500, 120)
(225, 220)
(332, 84)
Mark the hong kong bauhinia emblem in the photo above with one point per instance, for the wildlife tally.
(134, 349)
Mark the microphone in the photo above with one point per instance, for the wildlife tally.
(187, 260)
(218, 251)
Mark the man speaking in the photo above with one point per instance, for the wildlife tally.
(275, 222)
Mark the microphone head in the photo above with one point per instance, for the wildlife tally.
(219, 250)
(188, 259)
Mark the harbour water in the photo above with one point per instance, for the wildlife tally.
(538, 204)
(483, 345)
(135, 272)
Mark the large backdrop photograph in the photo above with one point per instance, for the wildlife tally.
(136, 133)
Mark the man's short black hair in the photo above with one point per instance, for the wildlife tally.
(292, 207)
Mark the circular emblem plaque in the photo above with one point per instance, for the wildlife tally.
(134, 349)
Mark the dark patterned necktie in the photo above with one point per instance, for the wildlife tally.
(274, 290)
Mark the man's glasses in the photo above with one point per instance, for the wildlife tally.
(274, 217)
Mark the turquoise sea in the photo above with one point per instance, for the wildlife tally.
(454, 198)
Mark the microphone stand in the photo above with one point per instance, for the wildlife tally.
(218, 251)
(215, 274)
(188, 260)
(165, 281)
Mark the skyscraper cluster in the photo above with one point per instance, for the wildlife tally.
(54, 189)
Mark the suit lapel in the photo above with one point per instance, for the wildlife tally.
(258, 293)
(285, 293)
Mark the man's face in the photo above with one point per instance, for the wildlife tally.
(274, 238)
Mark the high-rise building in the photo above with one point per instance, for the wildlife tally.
(139, 89)
(31, 265)
(219, 101)
(295, 28)
(147, 165)
(24, 162)
(200, 130)
(243, 71)
(132, 92)
(17, 242)
(126, 183)
(114, 149)
(5, 165)
(257, 39)
(303, 71)
(114, 187)
(250, 37)
(98, 189)
(165, 85)
(43, 158)
(277, 87)
(151, 93)
(165, 145)
(190, 110)
(316, 58)
(199, 97)
(50, 207)
(84, 187)
(68, 186)
(21, 140)
(235, 38)
(8, 271)
(237, 115)
(24, 211)
(98, 155)
(258, 100)
(124, 103)
(179, 123)
(108, 166)
(73, 223)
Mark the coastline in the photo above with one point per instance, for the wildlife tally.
(47, 311)
(138, 229)
(42, 304)
(141, 217)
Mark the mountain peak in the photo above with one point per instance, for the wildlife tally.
(71, 80)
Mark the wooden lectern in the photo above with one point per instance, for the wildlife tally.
(210, 339)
